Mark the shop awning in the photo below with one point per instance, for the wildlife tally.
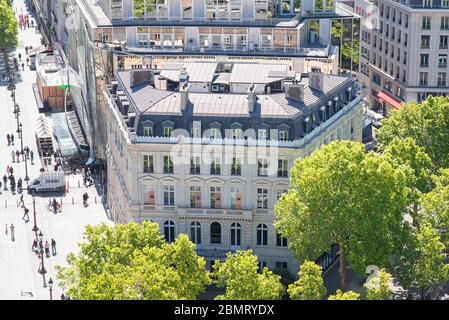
(384, 97)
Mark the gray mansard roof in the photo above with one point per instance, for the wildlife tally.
(147, 104)
(151, 101)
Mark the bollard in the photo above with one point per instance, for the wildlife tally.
(6, 204)
(95, 199)
(73, 201)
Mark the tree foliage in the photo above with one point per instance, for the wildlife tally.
(310, 284)
(9, 27)
(238, 274)
(380, 287)
(132, 261)
(340, 194)
(430, 267)
(349, 295)
(427, 123)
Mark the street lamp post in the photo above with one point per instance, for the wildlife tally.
(50, 285)
(17, 112)
(22, 152)
(35, 228)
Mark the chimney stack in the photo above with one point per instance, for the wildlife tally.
(184, 94)
(316, 79)
(295, 90)
(252, 98)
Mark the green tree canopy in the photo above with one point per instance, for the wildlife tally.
(380, 287)
(310, 284)
(341, 194)
(349, 295)
(238, 274)
(435, 205)
(132, 261)
(407, 152)
(430, 268)
(427, 123)
(9, 27)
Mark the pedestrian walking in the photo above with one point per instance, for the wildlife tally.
(20, 56)
(25, 214)
(23, 66)
(34, 246)
(17, 156)
(8, 137)
(26, 50)
(62, 296)
(11, 170)
(13, 155)
(5, 179)
(21, 202)
(27, 152)
(32, 157)
(6, 229)
(41, 246)
(47, 249)
(53, 247)
(12, 138)
(11, 228)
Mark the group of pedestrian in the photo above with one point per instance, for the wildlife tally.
(12, 180)
(24, 21)
(10, 138)
(37, 246)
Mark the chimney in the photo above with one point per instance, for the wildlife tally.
(316, 79)
(295, 90)
(139, 76)
(252, 98)
(183, 76)
(184, 94)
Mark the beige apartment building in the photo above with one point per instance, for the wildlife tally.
(403, 50)
(206, 148)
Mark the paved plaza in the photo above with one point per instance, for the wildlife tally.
(18, 264)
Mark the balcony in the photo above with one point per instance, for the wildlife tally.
(308, 49)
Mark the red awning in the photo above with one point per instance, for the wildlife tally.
(384, 97)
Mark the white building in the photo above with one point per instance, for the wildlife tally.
(403, 50)
(206, 148)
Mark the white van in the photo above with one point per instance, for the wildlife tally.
(52, 181)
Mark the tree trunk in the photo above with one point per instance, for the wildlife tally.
(342, 270)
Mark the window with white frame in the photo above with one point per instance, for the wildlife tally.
(262, 235)
(262, 198)
(236, 198)
(169, 231)
(262, 167)
(215, 197)
(169, 195)
(236, 234)
(195, 197)
(195, 232)
(148, 164)
(215, 166)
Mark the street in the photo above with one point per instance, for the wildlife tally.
(18, 264)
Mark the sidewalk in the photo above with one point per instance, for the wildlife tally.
(18, 264)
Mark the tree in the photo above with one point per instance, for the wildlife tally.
(435, 210)
(310, 284)
(380, 287)
(238, 274)
(430, 267)
(342, 195)
(427, 123)
(408, 152)
(9, 29)
(132, 261)
(349, 295)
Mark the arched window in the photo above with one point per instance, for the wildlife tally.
(169, 231)
(195, 232)
(236, 234)
(215, 233)
(262, 235)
